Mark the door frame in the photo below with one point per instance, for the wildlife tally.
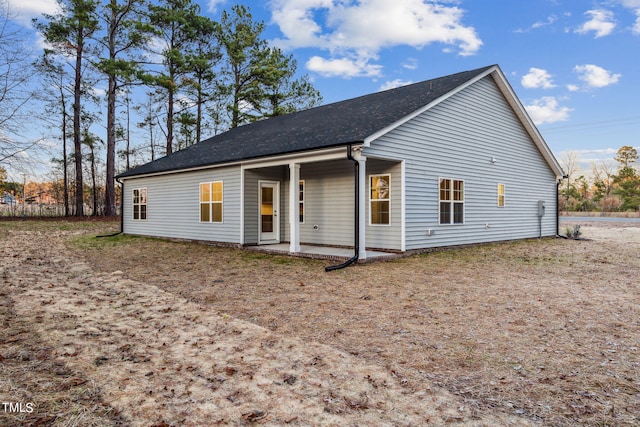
(274, 238)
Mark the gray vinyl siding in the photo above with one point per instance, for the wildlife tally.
(457, 139)
(385, 236)
(173, 206)
(329, 204)
(251, 179)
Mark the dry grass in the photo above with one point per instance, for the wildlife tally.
(524, 332)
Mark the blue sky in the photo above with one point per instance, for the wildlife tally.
(573, 64)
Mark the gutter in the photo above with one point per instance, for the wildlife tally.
(356, 245)
(121, 211)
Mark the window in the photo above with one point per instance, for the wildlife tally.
(379, 199)
(211, 201)
(501, 195)
(140, 203)
(301, 201)
(451, 201)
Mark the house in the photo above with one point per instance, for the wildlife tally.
(450, 161)
(8, 199)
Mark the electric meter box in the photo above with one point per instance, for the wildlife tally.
(541, 207)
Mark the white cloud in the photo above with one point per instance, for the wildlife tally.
(244, 106)
(410, 64)
(573, 88)
(547, 110)
(155, 47)
(184, 101)
(550, 20)
(343, 67)
(392, 84)
(634, 5)
(631, 4)
(597, 151)
(25, 10)
(47, 143)
(537, 78)
(539, 24)
(601, 22)
(595, 76)
(98, 91)
(361, 29)
(587, 157)
(636, 25)
(212, 5)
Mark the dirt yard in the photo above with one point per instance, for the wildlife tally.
(133, 331)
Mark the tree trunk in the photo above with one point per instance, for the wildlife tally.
(65, 173)
(77, 139)
(199, 111)
(170, 122)
(93, 182)
(128, 133)
(235, 117)
(110, 191)
(151, 145)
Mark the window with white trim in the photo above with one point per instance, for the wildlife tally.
(140, 204)
(301, 201)
(211, 201)
(501, 195)
(451, 201)
(380, 199)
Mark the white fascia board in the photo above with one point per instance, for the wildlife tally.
(277, 160)
(305, 157)
(525, 119)
(175, 171)
(507, 91)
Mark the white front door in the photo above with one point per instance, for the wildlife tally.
(268, 212)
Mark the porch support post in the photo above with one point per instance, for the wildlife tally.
(241, 205)
(362, 181)
(294, 220)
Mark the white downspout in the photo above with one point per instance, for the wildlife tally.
(362, 198)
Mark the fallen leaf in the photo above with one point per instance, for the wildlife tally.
(255, 416)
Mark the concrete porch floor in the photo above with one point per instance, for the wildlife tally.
(319, 252)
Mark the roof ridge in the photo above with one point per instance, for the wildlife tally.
(474, 71)
(329, 125)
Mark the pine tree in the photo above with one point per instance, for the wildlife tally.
(69, 32)
(628, 180)
(176, 24)
(124, 33)
(244, 63)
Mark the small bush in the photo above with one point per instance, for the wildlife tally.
(574, 232)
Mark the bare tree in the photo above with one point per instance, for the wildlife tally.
(149, 113)
(14, 93)
(570, 162)
(603, 177)
(56, 94)
(69, 32)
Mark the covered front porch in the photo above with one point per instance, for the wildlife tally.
(316, 203)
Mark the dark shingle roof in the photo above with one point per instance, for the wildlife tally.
(331, 125)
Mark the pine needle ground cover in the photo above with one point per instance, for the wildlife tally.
(135, 331)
